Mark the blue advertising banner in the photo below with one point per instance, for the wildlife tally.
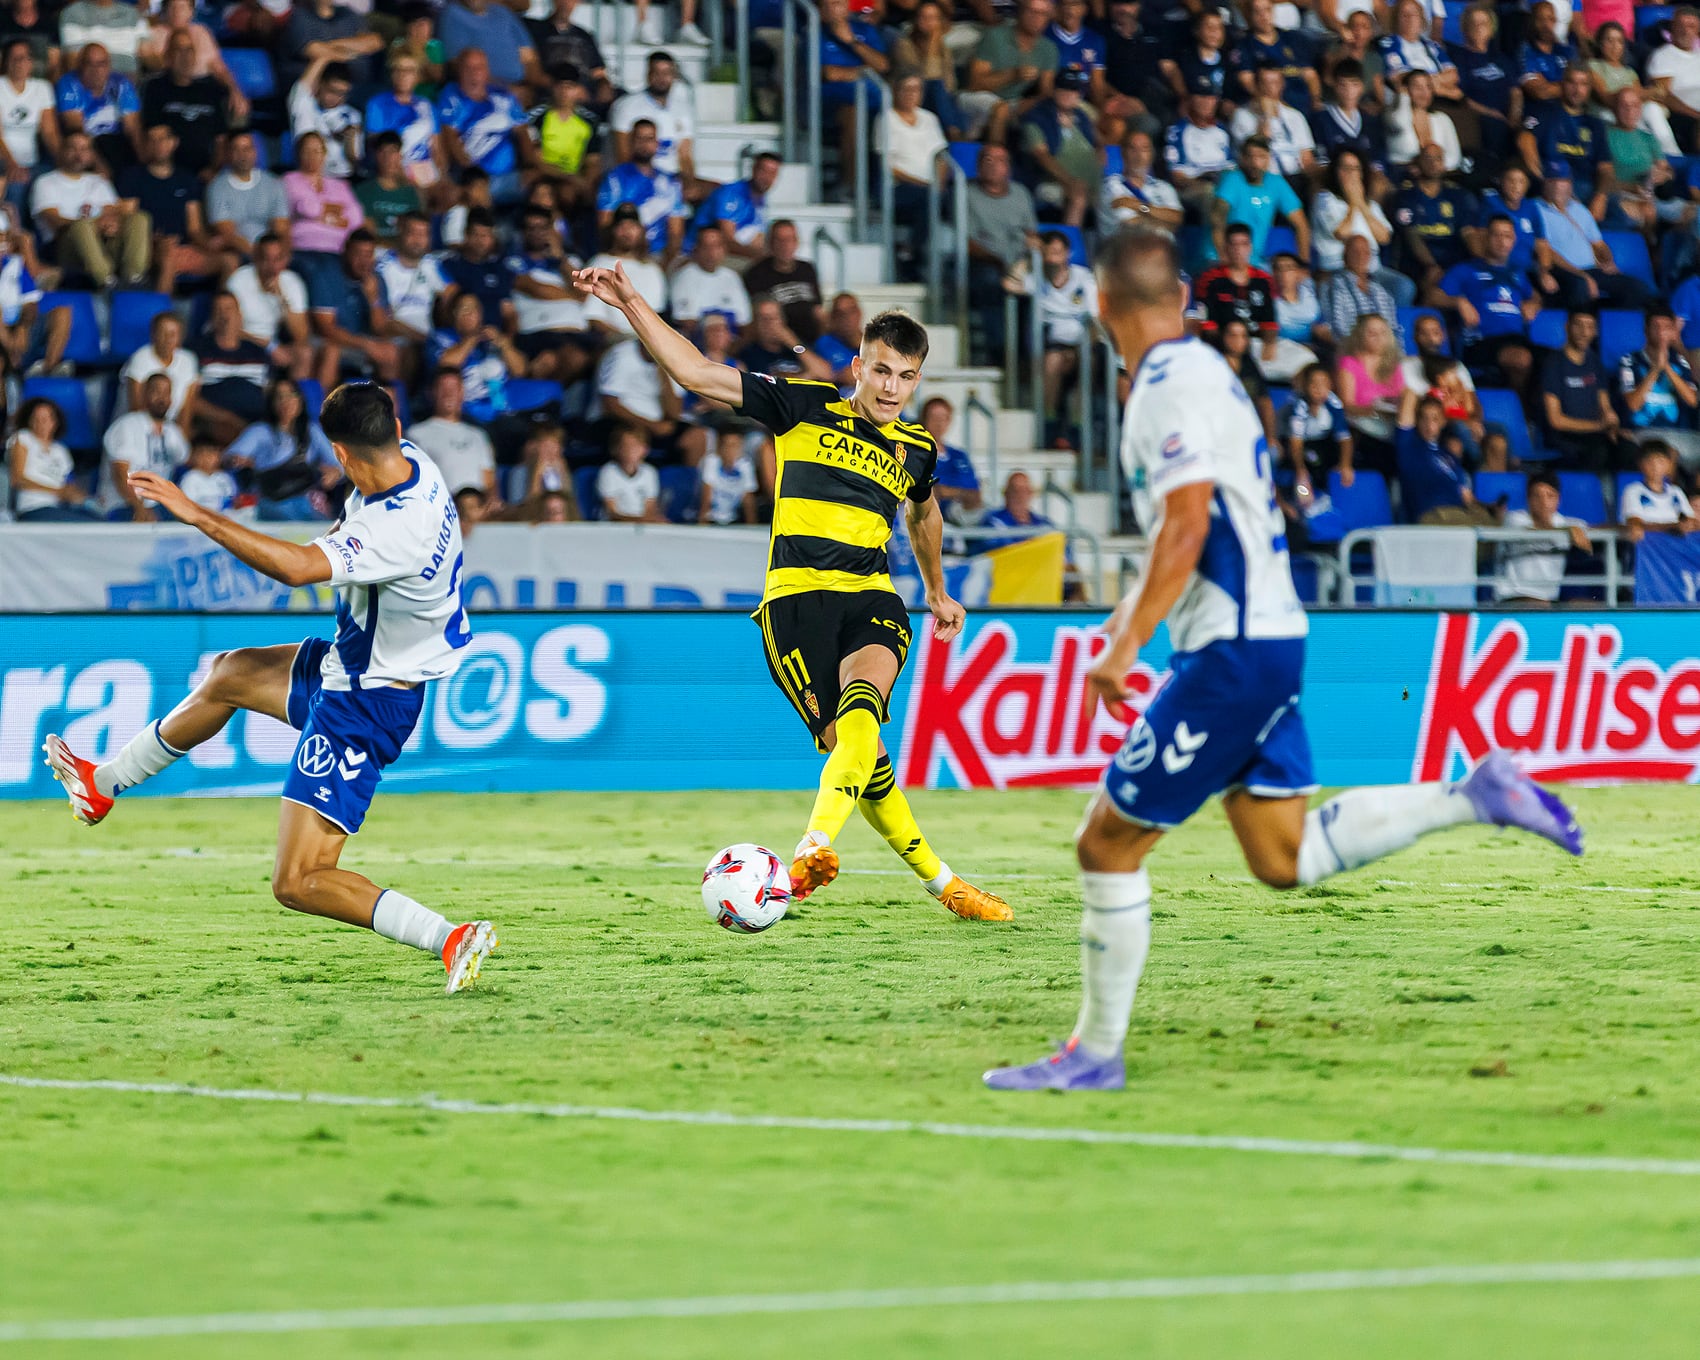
(1667, 569)
(682, 700)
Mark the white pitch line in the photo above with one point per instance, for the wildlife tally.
(851, 1300)
(1024, 1133)
(1560, 886)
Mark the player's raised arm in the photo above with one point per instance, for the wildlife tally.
(678, 358)
(926, 537)
(292, 564)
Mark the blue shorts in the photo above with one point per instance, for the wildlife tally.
(347, 738)
(1226, 718)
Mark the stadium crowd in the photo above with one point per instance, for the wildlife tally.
(1436, 241)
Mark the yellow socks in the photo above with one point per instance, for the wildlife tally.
(851, 763)
(887, 811)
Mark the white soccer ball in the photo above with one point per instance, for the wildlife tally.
(746, 888)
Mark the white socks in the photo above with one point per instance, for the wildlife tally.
(940, 881)
(143, 756)
(1115, 936)
(398, 917)
(1364, 824)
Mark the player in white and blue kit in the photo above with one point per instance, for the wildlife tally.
(1227, 719)
(395, 562)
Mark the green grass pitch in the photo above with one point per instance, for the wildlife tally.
(1481, 991)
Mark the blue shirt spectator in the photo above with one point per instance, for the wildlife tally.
(655, 194)
(1548, 64)
(1437, 219)
(1497, 292)
(1288, 51)
(492, 28)
(739, 203)
(1198, 150)
(1487, 78)
(485, 125)
(487, 278)
(1082, 48)
(1662, 407)
(1399, 56)
(955, 470)
(1525, 219)
(414, 122)
(833, 52)
(103, 110)
(1258, 205)
(1578, 138)
(1430, 478)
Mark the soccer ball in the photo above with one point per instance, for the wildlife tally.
(746, 888)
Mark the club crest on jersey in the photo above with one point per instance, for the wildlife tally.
(812, 703)
(1173, 447)
(900, 451)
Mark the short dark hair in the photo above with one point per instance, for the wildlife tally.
(474, 174)
(1237, 229)
(1428, 400)
(1648, 446)
(337, 70)
(899, 331)
(27, 411)
(1661, 310)
(358, 237)
(1497, 218)
(1349, 70)
(1540, 479)
(1139, 266)
(267, 238)
(937, 400)
(412, 215)
(1053, 235)
(384, 140)
(777, 223)
(480, 217)
(361, 417)
(532, 211)
(646, 122)
(769, 156)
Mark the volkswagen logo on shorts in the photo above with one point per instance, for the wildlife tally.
(1139, 748)
(315, 758)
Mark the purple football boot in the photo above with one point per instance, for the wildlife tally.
(1503, 795)
(1070, 1068)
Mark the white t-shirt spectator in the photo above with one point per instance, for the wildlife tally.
(1327, 214)
(135, 440)
(674, 122)
(215, 491)
(1683, 68)
(412, 289)
(1531, 571)
(912, 147)
(460, 450)
(727, 486)
(20, 118)
(646, 277)
(546, 314)
(1289, 135)
(1639, 501)
(628, 376)
(1402, 145)
(1417, 381)
(628, 495)
(184, 370)
(1157, 193)
(306, 116)
(1066, 307)
(697, 292)
(263, 312)
(71, 196)
(49, 464)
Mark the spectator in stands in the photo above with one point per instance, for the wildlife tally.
(1655, 502)
(1487, 77)
(462, 452)
(1359, 47)
(1581, 423)
(1657, 387)
(1136, 93)
(851, 47)
(257, 21)
(1017, 512)
(1639, 168)
(497, 32)
(205, 480)
(923, 49)
(192, 105)
(406, 113)
(244, 203)
(111, 25)
(99, 102)
(1014, 66)
(566, 155)
(1067, 298)
(322, 30)
(1061, 147)
(1234, 339)
(667, 109)
(1409, 48)
(293, 463)
(1298, 310)
(1078, 45)
(792, 283)
(1292, 146)
(1431, 371)
(1198, 151)
(177, 17)
(144, 440)
(628, 247)
(164, 353)
(841, 340)
(1357, 291)
(628, 484)
(1565, 131)
(633, 391)
(1318, 438)
(1610, 72)
(322, 212)
(739, 209)
(25, 20)
(1544, 59)
(1414, 123)
(1531, 571)
(1432, 482)
(1345, 211)
(319, 103)
(476, 268)
(413, 279)
(21, 335)
(1370, 385)
(353, 324)
(1002, 229)
(171, 198)
(388, 196)
(77, 210)
(560, 42)
(1266, 45)
(545, 466)
(233, 371)
(1237, 288)
(273, 299)
(1511, 200)
(1574, 253)
(27, 122)
(706, 284)
(44, 485)
(911, 138)
(775, 349)
(482, 354)
(1136, 194)
(729, 481)
(481, 124)
(958, 485)
(1344, 125)
(1202, 62)
(1495, 304)
(549, 311)
(656, 195)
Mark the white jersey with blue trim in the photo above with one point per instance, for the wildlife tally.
(396, 564)
(1189, 420)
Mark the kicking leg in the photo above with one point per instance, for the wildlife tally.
(305, 878)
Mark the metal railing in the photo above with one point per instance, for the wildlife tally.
(972, 407)
(864, 222)
(959, 239)
(1605, 541)
(1101, 361)
(823, 237)
(742, 37)
(800, 116)
(1072, 534)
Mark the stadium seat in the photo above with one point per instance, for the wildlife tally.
(1500, 407)
(84, 346)
(584, 491)
(132, 316)
(1452, 31)
(1112, 160)
(679, 494)
(534, 394)
(967, 155)
(1490, 486)
(72, 399)
(252, 69)
(1408, 321)
(1623, 480)
(1650, 16)
(1363, 505)
(314, 395)
(1280, 241)
(1076, 240)
(1582, 496)
(1547, 329)
(1620, 333)
(1629, 252)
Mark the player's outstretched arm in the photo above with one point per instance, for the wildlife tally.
(677, 356)
(292, 564)
(926, 537)
(1174, 557)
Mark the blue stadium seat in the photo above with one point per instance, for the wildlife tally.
(1620, 333)
(1076, 240)
(534, 394)
(1453, 29)
(313, 394)
(679, 494)
(1363, 505)
(1490, 486)
(1500, 407)
(252, 68)
(1280, 241)
(1408, 321)
(1581, 496)
(1547, 329)
(132, 316)
(84, 346)
(584, 491)
(1112, 160)
(967, 155)
(1629, 252)
(1648, 16)
(72, 399)
(1623, 480)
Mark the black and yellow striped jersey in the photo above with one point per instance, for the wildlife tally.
(841, 479)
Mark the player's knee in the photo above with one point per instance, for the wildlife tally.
(1276, 866)
(290, 886)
